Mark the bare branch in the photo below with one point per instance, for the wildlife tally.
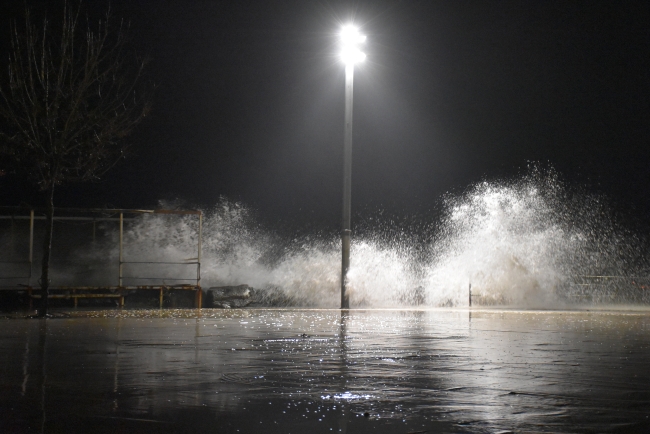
(69, 99)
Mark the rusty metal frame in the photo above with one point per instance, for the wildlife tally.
(121, 287)
(30, 256)
(197, 260)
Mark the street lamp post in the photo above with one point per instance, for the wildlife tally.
(350, 54)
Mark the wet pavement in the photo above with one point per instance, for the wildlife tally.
(321, 371)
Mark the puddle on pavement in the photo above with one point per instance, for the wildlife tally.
(296, 371)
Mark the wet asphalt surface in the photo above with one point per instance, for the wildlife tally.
(322, 371)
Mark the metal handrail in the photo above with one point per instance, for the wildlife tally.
(159, 262)
(195, 261)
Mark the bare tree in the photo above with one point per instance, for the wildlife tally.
(70, 97)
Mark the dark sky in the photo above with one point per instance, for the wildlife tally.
(249, 102)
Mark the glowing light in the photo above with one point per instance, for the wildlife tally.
(351, 55)
(350, 41)
(350, 36)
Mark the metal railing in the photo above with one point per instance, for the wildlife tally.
(14, 213)
(30, 257)
(585, 288)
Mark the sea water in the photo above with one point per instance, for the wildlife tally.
(531, 242)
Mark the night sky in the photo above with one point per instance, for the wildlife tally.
(249, 103)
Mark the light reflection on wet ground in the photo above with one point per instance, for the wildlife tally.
(294, 371)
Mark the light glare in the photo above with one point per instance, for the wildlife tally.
(352, 55)
(350, 36)
(350, 40)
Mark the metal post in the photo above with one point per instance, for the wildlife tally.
(199, 293)
(12, 237)
(31, 245)
(121, 245)
(198, 265)
(470, 295)
(347, 187)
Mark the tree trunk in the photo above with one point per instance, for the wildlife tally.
(47, 249)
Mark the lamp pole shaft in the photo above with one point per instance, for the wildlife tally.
(347, 187)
